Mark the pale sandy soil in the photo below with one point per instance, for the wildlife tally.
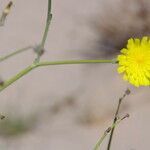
(95, 89)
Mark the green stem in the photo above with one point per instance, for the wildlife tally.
(14, 53)
(16, 77)
(69, 62)
(127, 92)
(100, 141)
(48, 21)
(42, 44)
(112, 131)
(40, 64)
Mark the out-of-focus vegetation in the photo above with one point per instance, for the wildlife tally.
(14, 126)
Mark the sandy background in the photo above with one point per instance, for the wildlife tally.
(69, 107)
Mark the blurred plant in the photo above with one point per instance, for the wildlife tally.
(15, 126)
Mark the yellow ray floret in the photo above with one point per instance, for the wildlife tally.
(134, 62)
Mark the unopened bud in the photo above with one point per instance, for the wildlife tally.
(5, 13)
(128, 92)
(39, 50)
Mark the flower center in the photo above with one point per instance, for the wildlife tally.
(139, 59)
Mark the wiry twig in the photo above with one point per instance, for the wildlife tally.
(48, 21)
(40, 48)
(18, 51)
(127, 92)
(108, 131)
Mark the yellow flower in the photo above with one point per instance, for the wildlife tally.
(134, 62)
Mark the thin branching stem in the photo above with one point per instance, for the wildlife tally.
(18, 51)
(40, 64)
(48, 21)
(100, 141)
(45, 34)
(127, 92)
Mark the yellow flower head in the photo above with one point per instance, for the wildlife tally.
(134, 62)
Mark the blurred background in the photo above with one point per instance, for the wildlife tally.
(69, 107)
